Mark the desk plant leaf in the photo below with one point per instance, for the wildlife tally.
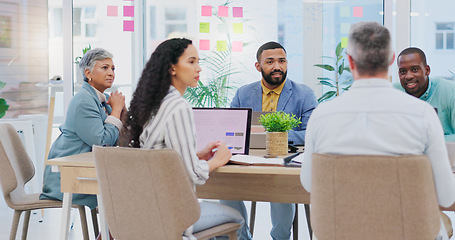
(279, 121)
(3, 105)
(338, 69)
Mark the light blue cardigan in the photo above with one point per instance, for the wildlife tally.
(84, 127)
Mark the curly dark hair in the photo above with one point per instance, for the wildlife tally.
(152, 87)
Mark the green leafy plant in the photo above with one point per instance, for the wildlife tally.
(215, 92)
(84, 50)
(3, 105)
(339, 69)
(279, 121)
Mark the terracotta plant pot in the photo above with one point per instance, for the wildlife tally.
(277, 143)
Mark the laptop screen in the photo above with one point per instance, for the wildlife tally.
(229, 125)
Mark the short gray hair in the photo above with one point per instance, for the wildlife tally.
(370, 47)
(89, 59)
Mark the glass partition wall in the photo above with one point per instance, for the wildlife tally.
(226, 33)
(229, 33)
(433, 31)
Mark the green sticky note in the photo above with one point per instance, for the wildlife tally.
(344, 42)
(221, 46)
(238, 27)
(345, 11)
(204, 27)
(344, 28)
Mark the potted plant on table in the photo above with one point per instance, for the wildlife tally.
(277, 124)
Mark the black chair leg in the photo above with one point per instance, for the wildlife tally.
(252, 217)
(295, 223)
(307, 214)
(95, 222)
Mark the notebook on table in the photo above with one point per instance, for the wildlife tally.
(256, 160)
(229, 125)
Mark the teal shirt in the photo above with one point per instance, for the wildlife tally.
(441, 95)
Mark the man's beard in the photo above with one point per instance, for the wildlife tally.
(274, 81)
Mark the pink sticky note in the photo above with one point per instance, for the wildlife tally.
(206, 11)
(223, 11)
(237, 46)
(128, 11)
(204, 44)
(112, 11)
(237, 12)
(128, 26)
(357, 12)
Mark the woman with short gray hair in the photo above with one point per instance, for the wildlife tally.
(91, 57)
(93, 118)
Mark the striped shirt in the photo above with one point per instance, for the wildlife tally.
(173, 127)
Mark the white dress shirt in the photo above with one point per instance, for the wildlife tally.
(373, 118)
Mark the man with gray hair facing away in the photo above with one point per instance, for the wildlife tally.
(373, 118)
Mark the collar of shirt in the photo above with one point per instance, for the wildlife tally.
(270, 97)
(100, 95)
(173, 90)
(428, 92)
(371, 82)
(277, 90)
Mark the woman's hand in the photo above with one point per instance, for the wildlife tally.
(221, 157)
(117, 102)
(207, 152)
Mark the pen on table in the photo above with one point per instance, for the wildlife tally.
(227, 145)
(289, 158)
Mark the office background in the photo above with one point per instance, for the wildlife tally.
(40, 39)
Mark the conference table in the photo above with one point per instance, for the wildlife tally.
(255, 183)
(230, 182)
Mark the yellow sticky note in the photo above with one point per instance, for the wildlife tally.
(204, 27)
(238, 27)
(221, 46)
(344, 42)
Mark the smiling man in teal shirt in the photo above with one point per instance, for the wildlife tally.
(414, 72)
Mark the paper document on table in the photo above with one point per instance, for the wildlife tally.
(255, 160)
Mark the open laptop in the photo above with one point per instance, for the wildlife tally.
(229, 125)
(257, 138)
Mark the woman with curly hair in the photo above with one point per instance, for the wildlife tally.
(160, 117)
